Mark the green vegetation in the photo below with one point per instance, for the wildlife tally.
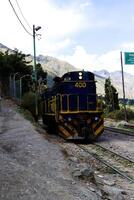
(11, 63)
(113, 107)
(16, 62)
(28, 102)
(111, 97)
(119, 114)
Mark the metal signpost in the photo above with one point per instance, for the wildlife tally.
(123, 87)
(129, 60)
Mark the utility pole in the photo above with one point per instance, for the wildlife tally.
(34, 73)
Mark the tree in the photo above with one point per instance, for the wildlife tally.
(11, 63)
(111, 96)
(16, 61)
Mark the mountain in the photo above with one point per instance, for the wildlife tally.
(116, 80)
(3, 48)
(56, 67)
(102, 73)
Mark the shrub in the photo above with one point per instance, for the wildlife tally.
(28, 102)
(119, 114)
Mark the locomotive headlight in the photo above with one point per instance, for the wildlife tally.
(96, 118)
(69, 119)
(80, 77)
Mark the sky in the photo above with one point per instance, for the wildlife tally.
(89, 34)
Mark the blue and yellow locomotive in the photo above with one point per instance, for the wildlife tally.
(71, 107)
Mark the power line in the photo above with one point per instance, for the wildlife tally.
(23, 15)
(19, 19)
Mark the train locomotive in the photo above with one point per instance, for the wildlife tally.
(71, 107)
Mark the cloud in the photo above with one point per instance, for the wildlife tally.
(80, 58)
(57, 21)
(57, 24)
(93, 62)
(127, 46)
(110, 60)
(63, 28)
(85, 4)
(53, 49)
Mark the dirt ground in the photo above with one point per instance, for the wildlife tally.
(37, 166)
(32, 167)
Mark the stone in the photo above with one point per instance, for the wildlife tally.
(73, 183)
(92, 189)
(114, 193)
(76, 173)
(73, 159)
(100, 176)
(110, 183)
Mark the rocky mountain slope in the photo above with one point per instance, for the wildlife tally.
(3, 48)
(116, 79)
(56, 67)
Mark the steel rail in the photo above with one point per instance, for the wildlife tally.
(112, 152)
(105, 163)
(119, 130)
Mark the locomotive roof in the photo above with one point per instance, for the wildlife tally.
(75, 74)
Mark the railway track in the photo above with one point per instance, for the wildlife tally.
(119, 130)
(111, 162)
(114, 153)
(103, 157)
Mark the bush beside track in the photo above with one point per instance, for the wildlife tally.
(119, 114)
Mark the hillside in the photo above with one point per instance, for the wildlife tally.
(116, 79)
(56, 67)
(3, 48)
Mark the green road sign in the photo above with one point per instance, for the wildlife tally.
(129, 58)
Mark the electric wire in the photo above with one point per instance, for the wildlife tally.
(23, 15)
(19, 19)
(25, 18)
